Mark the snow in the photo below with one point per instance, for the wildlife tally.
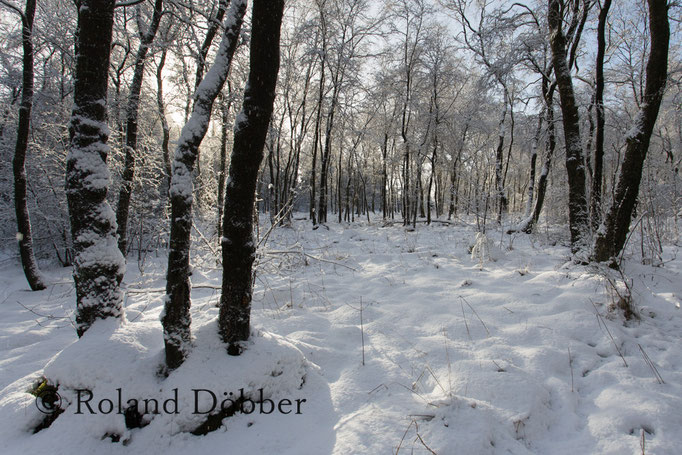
(463, 355)
(88, 161)
(637, 127)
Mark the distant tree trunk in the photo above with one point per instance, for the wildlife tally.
(251, 128)
(165, 141)
(453, 176)
(98, 263)
(499, 161)
(176, 316)
(318, 125)
(434, 157)
(339, 193)
(611, 236)
(533, 161)
(550, 146)
(384, 177)
(595, 200)
(132, 112)
(327, 150)
(24, 236)
(578, 212)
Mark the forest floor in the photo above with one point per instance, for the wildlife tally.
(398, 341)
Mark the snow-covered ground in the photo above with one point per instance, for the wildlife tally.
(521, 354)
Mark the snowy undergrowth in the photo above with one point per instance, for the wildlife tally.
(461, 355)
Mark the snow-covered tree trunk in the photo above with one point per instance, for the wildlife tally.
(24, 236)
(578, 213)
(176, 318)
(613, 232)
(250, 131)
(98, 263)
(132, 110)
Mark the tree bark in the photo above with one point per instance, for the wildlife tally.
(98, 263)
(176, 316)
(238, 248)
(24, 236)
(612, 234)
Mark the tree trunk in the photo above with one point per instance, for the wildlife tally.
(550, 145)
(132, 111)
(434, 157)
(533, 161)
(384, 177)
(222, 171)
(24, 236)
(612, 234)
(251, 128)
(176, 316)
(452, 209)
(578, 213)
(595, 201)
(326, 152)
(499, 159)
(98, 263)
(165, 141)
(316, 138)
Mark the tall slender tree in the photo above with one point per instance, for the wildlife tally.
(578, 213)
(24, 236)
(595, 196)
(251, 127)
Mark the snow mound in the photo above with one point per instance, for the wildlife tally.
(115, 367)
